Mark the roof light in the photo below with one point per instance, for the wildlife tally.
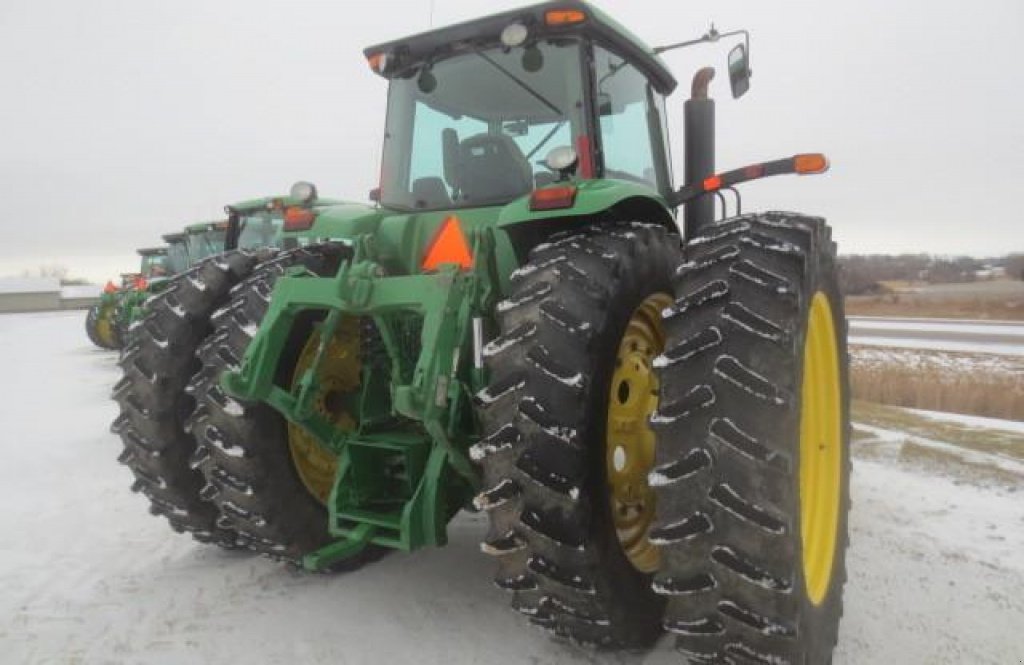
(564, 16)
(553, 198)
(378, 62)
(448, 246)
(110, 287)
(810, 163)
(298, 219)
(514, 34)
(303, 191)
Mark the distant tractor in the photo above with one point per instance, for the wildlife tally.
(104, 323)
(198, 242)
(652, 411)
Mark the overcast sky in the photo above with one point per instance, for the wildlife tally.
(120, 121)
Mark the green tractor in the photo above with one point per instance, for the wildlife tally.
(104, 324)
(197, 242)
(652, 410)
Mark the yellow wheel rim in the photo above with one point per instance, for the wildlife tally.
(629, 442)
(105, 326)
(820, 449)
(339, 376)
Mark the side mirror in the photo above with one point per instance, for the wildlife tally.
(375, 194)
(739, 70)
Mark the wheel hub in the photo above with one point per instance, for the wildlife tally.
(339, 376)
(629, 444)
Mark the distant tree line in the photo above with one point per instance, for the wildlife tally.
(57, 272)
(867, 273)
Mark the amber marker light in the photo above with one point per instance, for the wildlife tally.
(712, 183)
(810, 163)
(298, 219)
(564, 16)
(378, 61)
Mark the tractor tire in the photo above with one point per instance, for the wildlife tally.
(545, 416)
(153, 403)
(92, 328)
(752, 458)
(242, 449)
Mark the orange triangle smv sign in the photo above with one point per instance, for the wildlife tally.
(449, 246)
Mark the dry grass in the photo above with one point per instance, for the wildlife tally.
(962, 435)
(978, 393)
(946, 308)
(964, 451)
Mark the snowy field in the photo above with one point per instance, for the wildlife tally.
(87, 576)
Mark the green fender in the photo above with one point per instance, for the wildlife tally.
(593, 199)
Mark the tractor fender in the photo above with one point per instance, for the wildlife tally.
(596, 201)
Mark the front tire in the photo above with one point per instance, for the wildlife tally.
(545, 415)
(752, 474)
(99, 326)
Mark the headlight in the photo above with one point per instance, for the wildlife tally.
(302, 191)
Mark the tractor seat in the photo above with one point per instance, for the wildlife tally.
(492, 168)
(430, 193)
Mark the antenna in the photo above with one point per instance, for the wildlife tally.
(431, 13)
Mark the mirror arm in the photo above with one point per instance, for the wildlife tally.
(711, 37)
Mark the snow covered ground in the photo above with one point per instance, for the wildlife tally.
(87, 576)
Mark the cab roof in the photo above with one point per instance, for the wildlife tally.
(177, 236)
(443, 42)
(152, 251)
(203, 227)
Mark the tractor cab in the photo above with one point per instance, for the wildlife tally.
(154, 262)
(485, 112)
(205, 239)
(260, 228)
(177, 252)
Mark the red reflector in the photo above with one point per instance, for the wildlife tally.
(553, 198)
(448, 246)
(712, 183)
(109, 288)
(753, 171)
(141, 283)
(298, 219)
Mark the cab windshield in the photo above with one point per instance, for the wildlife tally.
(177, 257)
(260, 230)
(474, 129)
(205, 243)
(154, 265)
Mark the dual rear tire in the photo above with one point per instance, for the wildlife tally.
(746, 473)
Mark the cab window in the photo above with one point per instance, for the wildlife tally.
(626, 107)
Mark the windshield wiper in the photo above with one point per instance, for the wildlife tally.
(522, 84)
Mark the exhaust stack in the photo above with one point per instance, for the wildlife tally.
(699, 134)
